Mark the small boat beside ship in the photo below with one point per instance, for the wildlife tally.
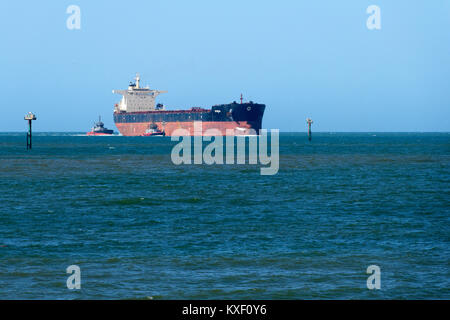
(99, 129)
(153, 131)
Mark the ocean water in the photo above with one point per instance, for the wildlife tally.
(140, 227)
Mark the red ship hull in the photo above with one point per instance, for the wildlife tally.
(224, 128)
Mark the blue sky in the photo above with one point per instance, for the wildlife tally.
(301, 58)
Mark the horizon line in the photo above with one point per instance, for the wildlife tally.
(25, 131)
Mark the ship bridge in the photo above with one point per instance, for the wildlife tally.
(137, 99)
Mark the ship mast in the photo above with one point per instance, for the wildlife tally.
(137, 80)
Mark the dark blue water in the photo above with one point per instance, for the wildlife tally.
(141, 227)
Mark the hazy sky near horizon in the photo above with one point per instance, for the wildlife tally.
(301, 58)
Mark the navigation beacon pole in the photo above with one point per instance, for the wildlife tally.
(30, 117)
(309, 122)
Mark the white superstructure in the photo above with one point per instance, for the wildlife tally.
(137, 99)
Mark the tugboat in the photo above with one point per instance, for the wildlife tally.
(99, 129)
(153, 131)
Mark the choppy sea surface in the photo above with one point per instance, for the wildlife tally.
(140, 227)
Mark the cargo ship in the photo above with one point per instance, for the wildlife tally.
(137, 115)
(99, 129)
